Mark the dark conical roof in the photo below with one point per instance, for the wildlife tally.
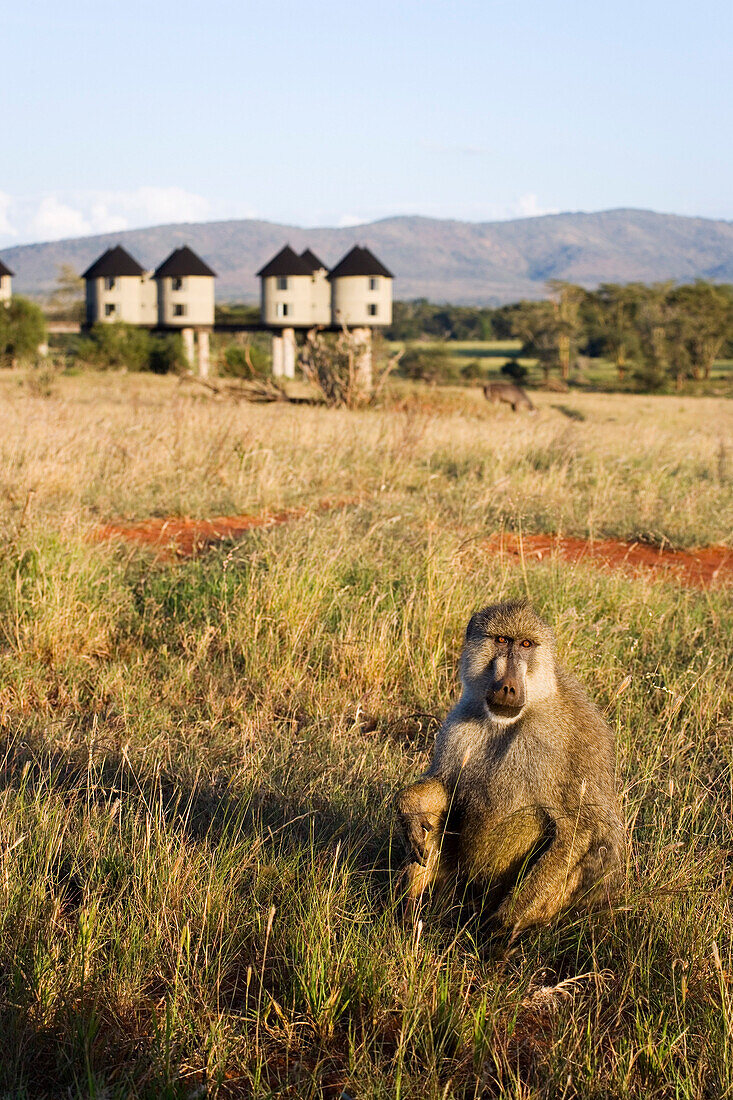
(360, 261)
(5, 270)
(183, 261)
(286, 262)
(115, 261)
(312, 260)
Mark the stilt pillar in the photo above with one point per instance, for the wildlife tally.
(362, 345)
(289, 352)
(277, 355)
(188, 347)
(204, 353)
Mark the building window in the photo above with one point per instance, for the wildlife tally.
(372, 309)
(110, 309)
(374, 284)
(110, 282)
(178, 284)
(282, 309)
(179, 310)
(282, 282)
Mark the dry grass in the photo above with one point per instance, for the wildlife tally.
(200, 758)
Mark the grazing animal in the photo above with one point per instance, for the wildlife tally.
(509, 392)
(519, 801)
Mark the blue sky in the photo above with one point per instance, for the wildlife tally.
(318, 113)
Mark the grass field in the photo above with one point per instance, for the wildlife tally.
(200, 757)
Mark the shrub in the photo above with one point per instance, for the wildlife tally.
(430, 363)
(246, 361)
(473, 371)
(116, 346)
(166, 354)
(22, 331)
(515, 370)
(649, 377)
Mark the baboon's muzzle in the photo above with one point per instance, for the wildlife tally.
(507, 691)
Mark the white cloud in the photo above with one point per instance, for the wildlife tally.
(346, 221)
(54, 219)
(149, 206)
(529, 206)
(81, 213)
(6, 228)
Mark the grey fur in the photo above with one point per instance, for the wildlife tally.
(522, 807)
(510, 393)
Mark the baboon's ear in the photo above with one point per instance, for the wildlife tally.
(473, 625)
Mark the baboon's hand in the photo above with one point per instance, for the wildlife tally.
(422, 834)
(422, 809)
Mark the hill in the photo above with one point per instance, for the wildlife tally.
(470, 262)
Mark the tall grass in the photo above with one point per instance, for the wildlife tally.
(199, 759)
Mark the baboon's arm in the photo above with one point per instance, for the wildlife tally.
(422, 810)
(551, 883)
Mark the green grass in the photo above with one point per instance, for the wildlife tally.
(200, 758)
(598, 375)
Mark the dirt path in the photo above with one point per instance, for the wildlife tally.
(175, 537)
(702, 568)
(179, 537)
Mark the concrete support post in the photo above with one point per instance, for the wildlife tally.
(277, 356)
(289, 352)
(362, 345)
(204, 356)
(188, 347)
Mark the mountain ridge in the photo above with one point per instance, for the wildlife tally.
(440, 259)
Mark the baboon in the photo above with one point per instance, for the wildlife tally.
(510, 392)
(518, 804)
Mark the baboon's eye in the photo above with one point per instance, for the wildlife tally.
(501, 639)
(526, 644)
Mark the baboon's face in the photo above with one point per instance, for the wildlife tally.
(507, 663)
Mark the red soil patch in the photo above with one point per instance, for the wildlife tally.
(184, 538)
(694, 568)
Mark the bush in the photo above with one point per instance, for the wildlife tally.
(116, 346)
(474, 371)
(515, 370)
(120, 346)
(648, 377)
(430, 363)
(166, 354)
(22, 331)
(246, 361)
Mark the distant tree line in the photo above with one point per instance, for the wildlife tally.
(655, 335)
(421, 319)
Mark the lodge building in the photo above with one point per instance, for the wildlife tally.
(179, 294)
(6, 276)
(297, 291)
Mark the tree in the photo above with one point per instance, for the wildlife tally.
(566, 301)
(67, 298)
(22, 331)
(610, 316)
(656, 326)
(535, 324)
(705, 322)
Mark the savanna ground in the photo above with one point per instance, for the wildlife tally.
(200, 756)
